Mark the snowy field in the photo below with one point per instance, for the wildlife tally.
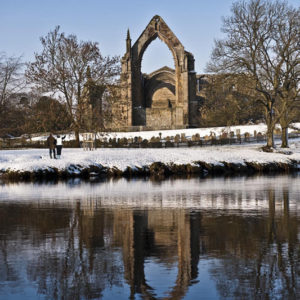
(38, 159)
(262, 128)
(35, 159)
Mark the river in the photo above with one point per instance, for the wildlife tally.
(212, 238)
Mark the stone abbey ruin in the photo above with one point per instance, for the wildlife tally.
(166, 98)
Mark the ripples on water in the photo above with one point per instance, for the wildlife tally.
(219, 238)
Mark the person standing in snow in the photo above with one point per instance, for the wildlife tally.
(59, 145)
(51, 142)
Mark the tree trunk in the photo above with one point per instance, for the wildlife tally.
(270, 125)
(77, 137)
(284, 137)
(270, 138)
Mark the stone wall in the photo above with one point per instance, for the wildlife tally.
(160, 117)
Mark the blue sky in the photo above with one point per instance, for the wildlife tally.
(195, 22)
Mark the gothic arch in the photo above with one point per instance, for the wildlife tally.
(145, 45)
(164, 77)
(134, 90)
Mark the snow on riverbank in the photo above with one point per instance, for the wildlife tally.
(33, 160)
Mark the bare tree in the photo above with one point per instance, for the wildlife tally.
(252, 46)
(10, 77)
(62, 67)
(11, 84)
(228, 101)
(287, 49)
(47, 115)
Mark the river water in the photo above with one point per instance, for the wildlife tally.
(214, 238)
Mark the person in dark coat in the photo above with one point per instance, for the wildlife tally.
(51, 142)
(59, 145)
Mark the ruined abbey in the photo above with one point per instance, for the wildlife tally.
(166, 98)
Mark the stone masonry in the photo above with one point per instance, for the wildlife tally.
(166, 98)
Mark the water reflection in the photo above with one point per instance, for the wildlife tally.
(220, 238)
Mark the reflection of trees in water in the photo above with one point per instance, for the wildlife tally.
(80, 251)
(259, 257)
(7, 271)
(84, 269)
(76, 256)
(24, 223)
(70, 261)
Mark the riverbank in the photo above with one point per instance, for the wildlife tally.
(35, 164)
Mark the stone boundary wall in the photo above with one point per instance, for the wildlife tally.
(153, 142)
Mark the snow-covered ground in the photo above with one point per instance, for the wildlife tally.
(35, 159)
(192, 131)
(262, 128)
